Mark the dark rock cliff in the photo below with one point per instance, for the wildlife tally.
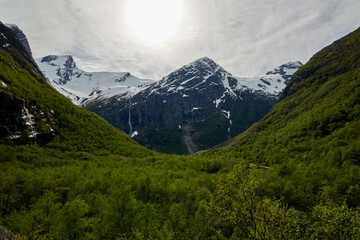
(18, 123)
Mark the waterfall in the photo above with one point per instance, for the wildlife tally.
(129, 121)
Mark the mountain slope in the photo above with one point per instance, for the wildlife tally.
(33, 112)
(82, 87)
(193, 108)
(310, 139)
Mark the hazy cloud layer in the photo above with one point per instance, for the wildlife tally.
(246, 37)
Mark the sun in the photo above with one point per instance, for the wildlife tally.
(154, 21)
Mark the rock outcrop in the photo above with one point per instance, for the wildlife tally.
(6, 234)
(17, 121)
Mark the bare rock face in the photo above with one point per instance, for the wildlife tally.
(10, 114)
(6, 234)
(21, 36)
(17, 122)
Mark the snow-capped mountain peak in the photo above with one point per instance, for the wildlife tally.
(200, 100)
(286, 70)
(274, 81)
(64, 65)
(82, 87)
(66, 60)
(197, 76)
(204, 63)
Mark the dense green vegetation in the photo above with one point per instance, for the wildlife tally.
(102, 197)
(49, 194)
(293, 175)
(219, 125)
(166, 140)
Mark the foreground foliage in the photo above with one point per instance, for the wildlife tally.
(52, 195)
(239, 212)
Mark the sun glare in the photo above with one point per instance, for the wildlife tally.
(154, 21)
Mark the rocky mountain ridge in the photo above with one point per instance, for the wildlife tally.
(21, 36)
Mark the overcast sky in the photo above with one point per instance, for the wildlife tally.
(246, 37)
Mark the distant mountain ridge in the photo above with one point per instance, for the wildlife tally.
(82, 87)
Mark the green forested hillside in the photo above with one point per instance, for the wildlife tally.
(293, 175)
(311, 138)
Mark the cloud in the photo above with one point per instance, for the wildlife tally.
(246, 37)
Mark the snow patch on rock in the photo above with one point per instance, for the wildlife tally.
(195, 108)
(134, 134)
(2, 35)
(2, 83)
(29, 121)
